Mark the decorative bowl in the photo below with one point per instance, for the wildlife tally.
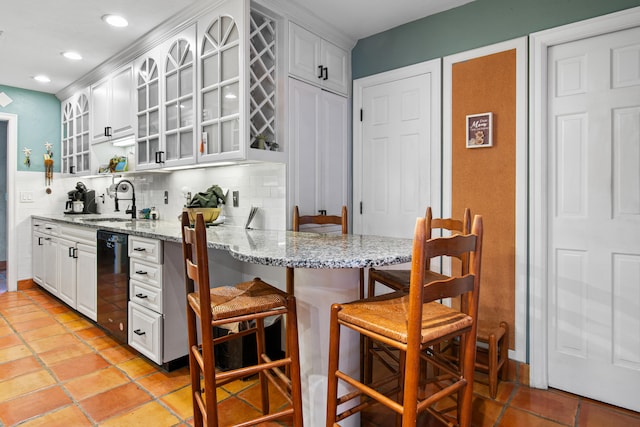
(209, 214)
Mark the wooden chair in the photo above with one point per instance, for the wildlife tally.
(413, 323)
(249, 302)
(398, 280)
(323, 219)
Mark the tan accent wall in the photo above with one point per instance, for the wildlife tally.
(484, 179)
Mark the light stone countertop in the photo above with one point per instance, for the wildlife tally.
(266, 247)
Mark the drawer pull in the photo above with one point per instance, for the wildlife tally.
(142, 296)
(141, 272)
(139, 332)
(139, 249)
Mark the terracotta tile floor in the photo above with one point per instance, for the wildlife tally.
(58, 369)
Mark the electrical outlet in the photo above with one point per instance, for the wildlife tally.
(236, 196)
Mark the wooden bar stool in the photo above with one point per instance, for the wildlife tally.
(413, 323)
(398, 280)
(250, 302)
(320, 220)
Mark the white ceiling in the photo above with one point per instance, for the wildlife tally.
(34, 33)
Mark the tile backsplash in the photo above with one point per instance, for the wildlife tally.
(258, 184)
(261, 185)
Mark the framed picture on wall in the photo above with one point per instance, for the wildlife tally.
(479, 130)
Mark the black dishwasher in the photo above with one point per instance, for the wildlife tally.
(113, 283)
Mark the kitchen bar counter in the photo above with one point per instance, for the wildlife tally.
(266, 247)
(326, 271)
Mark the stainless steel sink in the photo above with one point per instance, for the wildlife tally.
(116, 219)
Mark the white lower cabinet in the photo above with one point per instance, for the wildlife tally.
(86, 280)
(68, 272)
(145, 331)
(157, 301)
(37, 256)
(45, 255)
(50, 273)
(64, 263)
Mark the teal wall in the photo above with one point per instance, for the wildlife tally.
(480, 23)
(38, 122)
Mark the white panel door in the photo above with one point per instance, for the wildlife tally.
(400, 159)
(318, 123)
(594, 217)
(333, 153)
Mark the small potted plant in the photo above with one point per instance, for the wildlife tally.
(261, 142)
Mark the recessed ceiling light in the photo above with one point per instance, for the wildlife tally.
(72, 55)
(42, 78)
(115, 20)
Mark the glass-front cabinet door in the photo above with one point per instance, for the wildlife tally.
(75, 153)
(166, 81)
(223, 57)
(179, 101)
(147, 79)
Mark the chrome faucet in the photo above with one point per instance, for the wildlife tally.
(122, 187)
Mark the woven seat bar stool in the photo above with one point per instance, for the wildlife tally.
(398, 280)
(322, 219)
(249, 302)
(412, 323)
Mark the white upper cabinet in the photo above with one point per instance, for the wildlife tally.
(165, 90)
(222, 64)
(179, 101)
(75, 151)
(318, 61)
(147, 79)
(237, 74)
(112, 104)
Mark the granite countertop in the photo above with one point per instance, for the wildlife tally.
(266, 247)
